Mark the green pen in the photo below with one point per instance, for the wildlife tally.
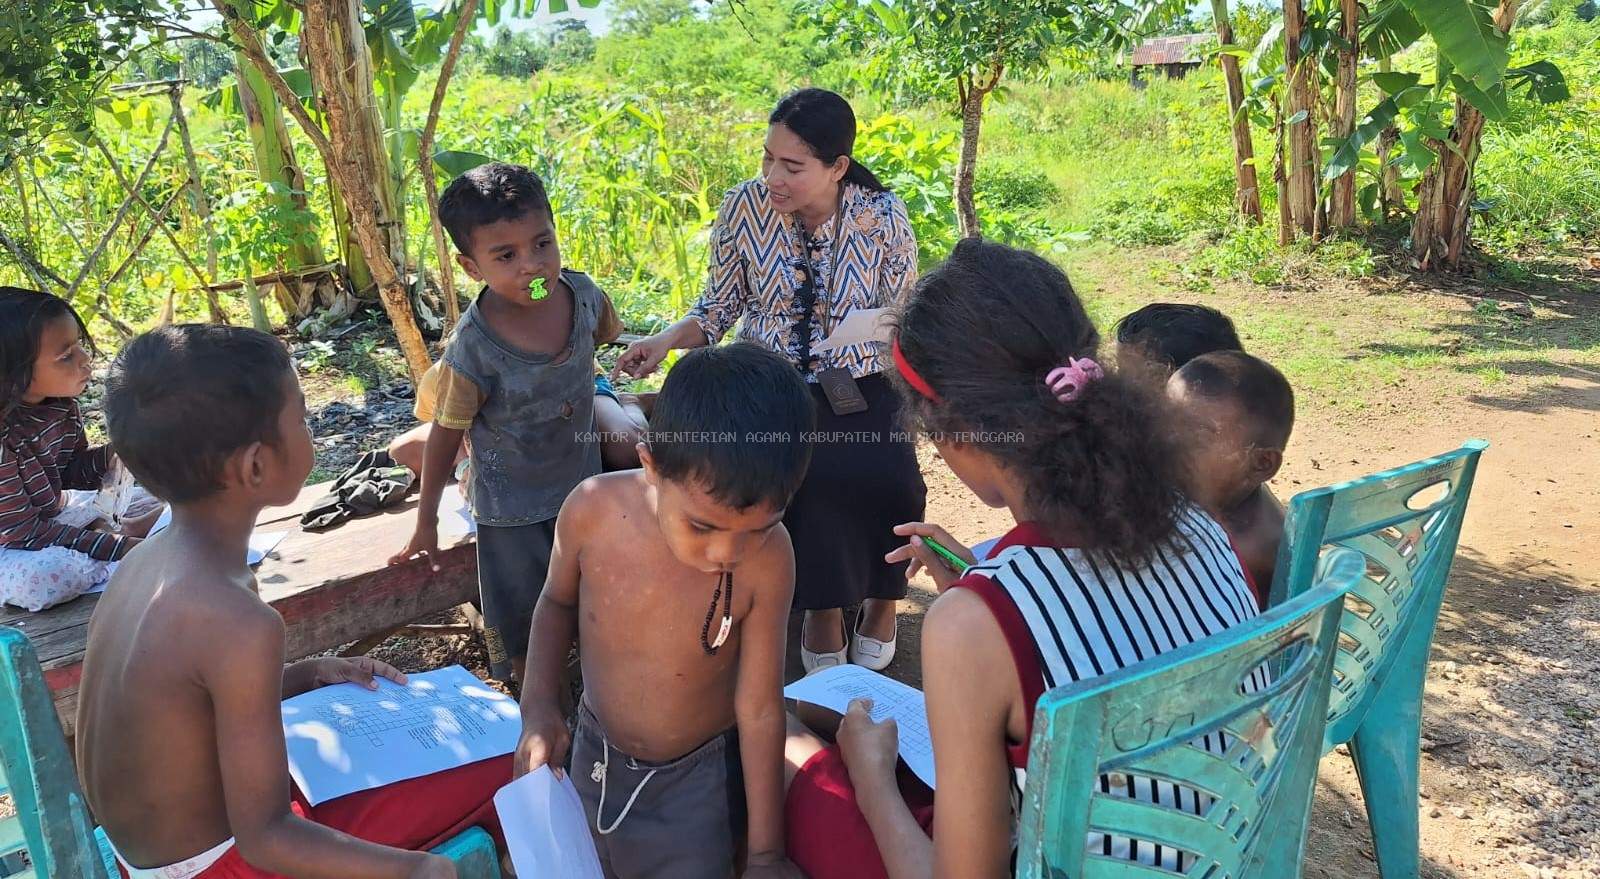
(956, 563)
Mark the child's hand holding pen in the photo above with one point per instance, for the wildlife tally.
(933, 548)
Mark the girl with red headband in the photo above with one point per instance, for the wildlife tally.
(1108, 565)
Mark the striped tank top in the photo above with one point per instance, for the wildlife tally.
(1070, 614)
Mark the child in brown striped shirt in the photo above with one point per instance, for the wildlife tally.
(52, 548)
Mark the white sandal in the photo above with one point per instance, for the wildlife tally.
(814, 662)
(870, 653)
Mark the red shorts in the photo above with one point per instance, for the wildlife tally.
(416, 814)
(828, 837)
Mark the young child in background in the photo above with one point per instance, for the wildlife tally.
(53, 547)
(1161, 337)
(180, 738)
(676, 580)
(1236, 412)
(517, 383)
(1108, 565)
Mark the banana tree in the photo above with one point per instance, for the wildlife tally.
(1440, 124)
(1247, 197)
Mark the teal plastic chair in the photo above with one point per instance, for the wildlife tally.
(1406, 522)
(52, 821)
(1143, 721)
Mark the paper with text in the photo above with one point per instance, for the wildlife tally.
(546, 829)
(860, 325)
(837, 687)
(346, 738)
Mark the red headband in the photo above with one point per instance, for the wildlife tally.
(912, 377)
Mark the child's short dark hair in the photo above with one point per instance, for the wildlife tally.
(488, 194)
(1252, 384)
(1176, 333)
(23, 314)
(181, 399)
(733, 420)
(984, 329)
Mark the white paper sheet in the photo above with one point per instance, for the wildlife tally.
(346, 738)
(262, 543)
(837, 687)
(455, 517)
(982, 551)
(860, 325)
(546, 829)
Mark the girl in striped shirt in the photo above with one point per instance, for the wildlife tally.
(52, 549)
(1107, 566)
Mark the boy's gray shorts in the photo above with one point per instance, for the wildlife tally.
(686, 819)
(512, 563)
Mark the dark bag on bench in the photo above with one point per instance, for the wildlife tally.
(372, 484)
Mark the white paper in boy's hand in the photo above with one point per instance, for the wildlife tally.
(546, 829)
(835, 688)
(860, 325)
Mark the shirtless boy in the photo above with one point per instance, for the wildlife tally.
(677, 581)
(1238, 411)
(180, 739)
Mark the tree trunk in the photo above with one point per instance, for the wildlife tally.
(1439, 232)
(972, 92)
(447, 270)
(1303, 157)
(276, 164)
(345, 165)
(252, 296)
(1390, 195)
(1280, 177)
(1247, 197)
(349, 70)
(197, 191)
(1342, 203)
(22, 200)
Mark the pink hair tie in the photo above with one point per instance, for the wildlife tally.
(1067, 382)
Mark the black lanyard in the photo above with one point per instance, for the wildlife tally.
(805, 296)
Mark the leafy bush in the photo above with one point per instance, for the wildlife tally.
(513, 53)
(1013, 186)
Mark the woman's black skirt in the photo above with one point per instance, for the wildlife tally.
(863, 481)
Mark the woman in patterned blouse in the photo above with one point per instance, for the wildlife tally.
(793, 254)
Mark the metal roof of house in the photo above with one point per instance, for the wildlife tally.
(1169, 50)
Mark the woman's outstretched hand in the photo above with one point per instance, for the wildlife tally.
(642, 357)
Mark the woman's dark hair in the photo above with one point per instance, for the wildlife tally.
(983, 330)
(826, 123)
(23, 315)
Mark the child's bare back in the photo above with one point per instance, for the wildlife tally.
(148, 746)
(641, 614)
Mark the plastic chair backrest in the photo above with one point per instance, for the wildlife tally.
(1406, 522)
(1143, 722)
(44, 785)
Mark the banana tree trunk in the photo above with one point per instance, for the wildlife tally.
(1303, 157)
(1440, 231)
(1342, 201)
(274, 154)
(348, 71)
(1247, 196)
(353, 151)
(972, 91)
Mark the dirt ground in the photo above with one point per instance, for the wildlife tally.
(1511, 762)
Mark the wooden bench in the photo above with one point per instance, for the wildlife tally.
(331, 588)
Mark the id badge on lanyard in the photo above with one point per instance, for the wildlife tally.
(838, 385)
